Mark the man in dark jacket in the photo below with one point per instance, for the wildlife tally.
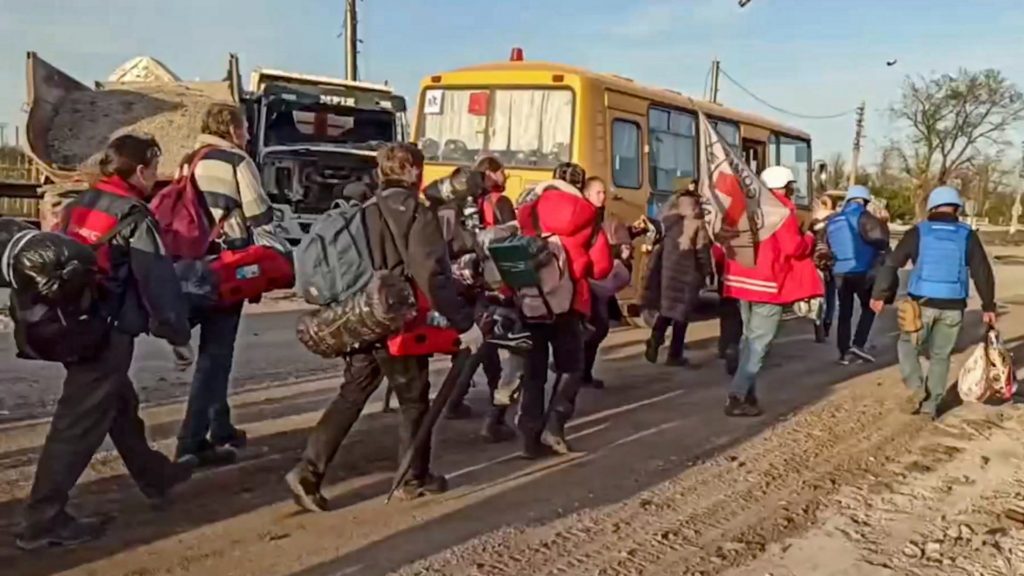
(141, 294)
(947, 254)
(857, 241)
(404, 237)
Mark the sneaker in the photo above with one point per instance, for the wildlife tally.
(179, 472)
(677, 361)
(737, 408)
(515, 342)
(431, 485)
(238, 439)
(845, 359)
(862, 354)
(495, 430)
(207, 455)
(305, 492)
(460, 411)
(554, 438)
(751, 399)
(535, 450)
(651, 352)
(916, 399)
(69, 531)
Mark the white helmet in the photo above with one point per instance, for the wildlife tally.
(777, 177)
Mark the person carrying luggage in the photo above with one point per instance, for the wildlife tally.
(138, 294)
(231, 186)
(559, 214)
(947, 255)
(404, 237)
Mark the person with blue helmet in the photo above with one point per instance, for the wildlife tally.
(858, 241)
(947, 255)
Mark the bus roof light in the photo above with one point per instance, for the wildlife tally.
(558, 78)
(517, 55)
(435, 79)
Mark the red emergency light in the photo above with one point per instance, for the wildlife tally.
(517, 55)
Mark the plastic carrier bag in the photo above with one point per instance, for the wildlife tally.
(988, 374)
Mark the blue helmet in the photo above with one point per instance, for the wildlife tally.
(944, 196)
(858, 192)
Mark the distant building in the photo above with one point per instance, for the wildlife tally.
(143, 69)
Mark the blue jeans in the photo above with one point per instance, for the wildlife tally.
(937, 339)
(208, 411)
(760, 325)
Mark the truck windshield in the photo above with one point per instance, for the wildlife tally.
(319, 124)
(525, 128)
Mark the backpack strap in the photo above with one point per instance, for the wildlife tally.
(136, 215)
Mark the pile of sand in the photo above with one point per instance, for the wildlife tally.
(85, 121)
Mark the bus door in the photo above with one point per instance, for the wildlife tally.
(754, 153)
(629, 190)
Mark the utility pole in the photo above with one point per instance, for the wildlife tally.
(857, 137)
(351, 41)
(3, 133)
(715, 68)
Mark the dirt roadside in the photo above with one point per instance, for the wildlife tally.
(663, 485)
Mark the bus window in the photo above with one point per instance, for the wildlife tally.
(626, 154)
(795, 155)
(729, 132)
(523, 128)
(673, 149)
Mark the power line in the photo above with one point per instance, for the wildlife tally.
(783, 110)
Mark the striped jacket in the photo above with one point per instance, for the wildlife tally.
(231, 184)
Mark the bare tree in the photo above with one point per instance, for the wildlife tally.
(837, 174)
(951, 119)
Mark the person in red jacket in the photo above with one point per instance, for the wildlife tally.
(783, 274)
(560, 209)
(495, 208)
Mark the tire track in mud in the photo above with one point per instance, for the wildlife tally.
(720, 514)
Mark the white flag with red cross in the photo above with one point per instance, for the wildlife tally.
(740, 211)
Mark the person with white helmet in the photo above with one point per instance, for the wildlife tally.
(783, 273)
(858, 241)
(947, 254)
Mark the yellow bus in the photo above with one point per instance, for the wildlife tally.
(642, 140)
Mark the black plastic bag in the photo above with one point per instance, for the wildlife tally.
(53, 268)
(9, 228)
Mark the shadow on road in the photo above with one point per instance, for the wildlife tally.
(650, 424)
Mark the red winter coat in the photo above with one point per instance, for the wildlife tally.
(562, 210)
(784, 272)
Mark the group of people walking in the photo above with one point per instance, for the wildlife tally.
(420, 238)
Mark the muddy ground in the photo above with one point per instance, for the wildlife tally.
(836, 479)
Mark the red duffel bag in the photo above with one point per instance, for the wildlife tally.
(426, 334)
(248, 273)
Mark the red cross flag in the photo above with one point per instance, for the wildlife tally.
(739, 210)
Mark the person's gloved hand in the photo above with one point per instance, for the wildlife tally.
(184, 357)
(472, 339)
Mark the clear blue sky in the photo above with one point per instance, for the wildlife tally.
(811, 56)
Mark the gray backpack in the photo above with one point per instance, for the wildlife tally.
(334, 263)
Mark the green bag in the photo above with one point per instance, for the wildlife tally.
(519, 260)
(537, 269)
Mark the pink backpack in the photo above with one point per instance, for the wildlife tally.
(185, 219)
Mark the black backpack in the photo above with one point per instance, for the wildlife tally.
(65, 330)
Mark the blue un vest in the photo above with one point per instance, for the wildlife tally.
(853, 255)
(940, 270)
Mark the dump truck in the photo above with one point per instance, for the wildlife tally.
(310, 135)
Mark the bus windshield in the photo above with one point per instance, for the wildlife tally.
(524, 128)
(795, 155)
